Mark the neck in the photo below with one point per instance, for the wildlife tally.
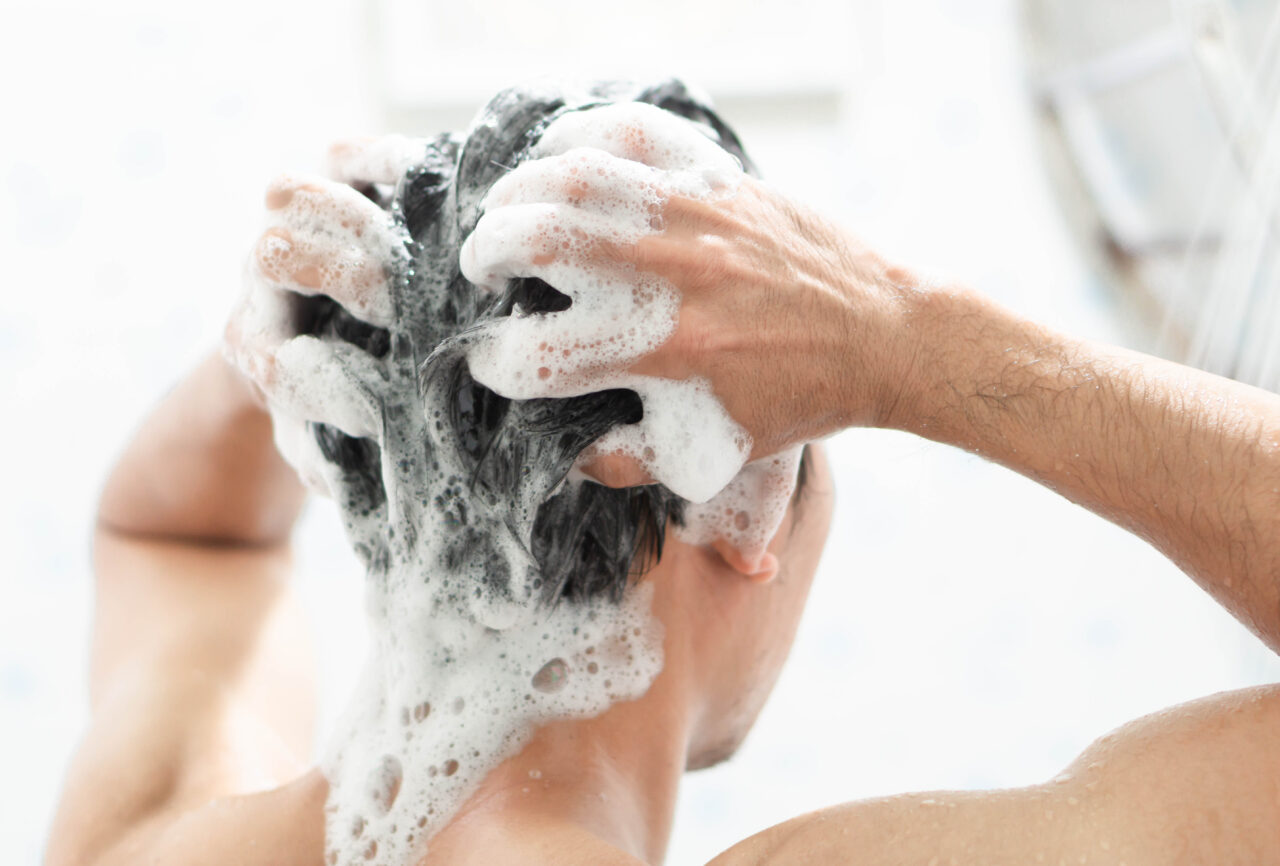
(599, 790)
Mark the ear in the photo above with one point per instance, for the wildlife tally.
(760, 568)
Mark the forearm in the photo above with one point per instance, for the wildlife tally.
(203, 467)
(1187, 460)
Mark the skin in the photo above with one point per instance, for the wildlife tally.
(202, 681)
(1186, 460)
(200, 718)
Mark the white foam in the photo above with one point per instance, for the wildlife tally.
(336, 240)
(339, 242)
(466, 663)
(443, 702)
(686, 439)
(747, 512)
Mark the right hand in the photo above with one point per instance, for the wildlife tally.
(797, 326)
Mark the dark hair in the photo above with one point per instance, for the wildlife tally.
(587, 540)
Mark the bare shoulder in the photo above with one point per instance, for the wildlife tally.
(200, 693)
(1197, 783)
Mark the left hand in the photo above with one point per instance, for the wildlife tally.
(324, 238)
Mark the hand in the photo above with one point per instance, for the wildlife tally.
(794, 324)
(325, 240)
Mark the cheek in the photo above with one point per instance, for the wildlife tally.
(765, 632)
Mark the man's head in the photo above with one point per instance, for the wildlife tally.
(508, 460)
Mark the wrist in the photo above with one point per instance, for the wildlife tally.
(937, 344)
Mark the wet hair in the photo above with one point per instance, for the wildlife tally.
(588, 541)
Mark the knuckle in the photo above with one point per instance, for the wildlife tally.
(693, 338)
(707, 265)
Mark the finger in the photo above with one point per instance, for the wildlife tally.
(615, 319)
(314, 203)
(613, 470)
(301, 202)
(297, 445)
(261, 321)
(540, 356)
(342, 230)
(640, 132)
(585, 178)
(311, 265)
(374, 160)
(685, 440)
(532, 240)
(520, 241)
(325, 382)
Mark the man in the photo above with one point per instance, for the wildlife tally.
(201, 686)
(201, 689)
(199, 695)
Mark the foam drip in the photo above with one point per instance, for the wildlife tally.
(443, 702)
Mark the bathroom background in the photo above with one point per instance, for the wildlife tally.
(968, 628)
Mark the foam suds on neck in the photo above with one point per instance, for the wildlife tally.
(443, 700)
(467, 658)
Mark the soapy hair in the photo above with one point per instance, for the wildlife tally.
(588, 541)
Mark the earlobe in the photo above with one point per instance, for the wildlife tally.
(761, 568)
